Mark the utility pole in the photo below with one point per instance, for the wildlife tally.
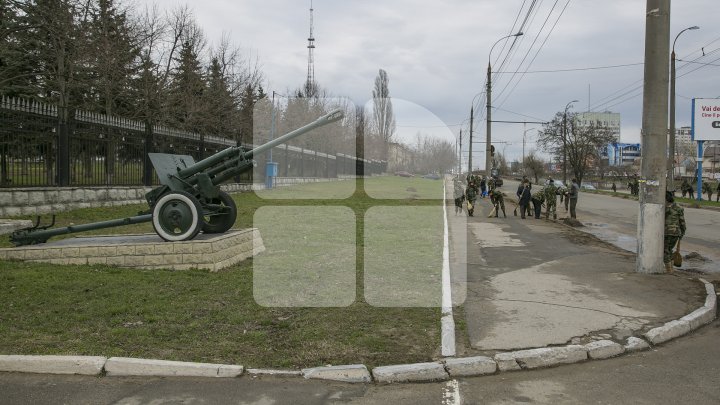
(472, 111)
(651, 222)
(460, 154)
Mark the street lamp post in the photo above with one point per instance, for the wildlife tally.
(488, 139)
(565, 140)
(472, 116)
(671, 138)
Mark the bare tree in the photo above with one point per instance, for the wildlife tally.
(579, 143)
(534, 166)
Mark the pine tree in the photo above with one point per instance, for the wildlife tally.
(113, 59)
(185, 100)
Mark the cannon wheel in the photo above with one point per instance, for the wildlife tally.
(177, 216)
(221, 222)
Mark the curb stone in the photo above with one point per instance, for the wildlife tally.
(550, 356)
(82, 365)
(356, 373)
(123, 366)
(604, 349)
(256, 372)
(506, 362)
(635, 345)
(470, 366)
(419, 372)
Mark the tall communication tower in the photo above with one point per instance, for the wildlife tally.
(310, 88)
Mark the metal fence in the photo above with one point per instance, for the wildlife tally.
(99, 150)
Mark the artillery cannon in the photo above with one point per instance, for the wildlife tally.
(189, 198)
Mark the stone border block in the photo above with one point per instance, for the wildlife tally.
(635, 344)
(669, 331)
(471, 366)
(123, 366)
(356, 373)
(711, 299)
(699, 317)
(604, 349)
(507, 362)
(549, 356)
(83, 365)
(419, 372)
(275, 373)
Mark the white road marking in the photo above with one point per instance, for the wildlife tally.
(447, 322)
(451, 393)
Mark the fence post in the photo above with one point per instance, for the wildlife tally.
(147, 165)
(63, 149)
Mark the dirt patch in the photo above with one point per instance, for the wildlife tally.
(572, 222)
(696, 257)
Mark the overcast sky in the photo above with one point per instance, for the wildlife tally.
(436, 54)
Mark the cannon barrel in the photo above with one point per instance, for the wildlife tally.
(213, 160)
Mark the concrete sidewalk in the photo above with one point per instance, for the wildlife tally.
(537, 283)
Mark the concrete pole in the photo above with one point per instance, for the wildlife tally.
(671, 135)
(488, 137)
(472, 112)
(651, 219)
(460, 154)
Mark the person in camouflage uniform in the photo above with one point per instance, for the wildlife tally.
(458, 195)
(498, 201)
(538, 198)
(471, 196)
(674, 229)
(550, 199)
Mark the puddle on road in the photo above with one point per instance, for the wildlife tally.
(629, 243)
(604, 233)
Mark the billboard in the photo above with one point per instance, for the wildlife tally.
(706, 119)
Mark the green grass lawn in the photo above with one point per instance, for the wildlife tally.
(247, 314)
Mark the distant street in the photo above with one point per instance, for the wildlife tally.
(614, 219)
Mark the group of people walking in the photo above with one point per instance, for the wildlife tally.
(675, 226)
(546, 196)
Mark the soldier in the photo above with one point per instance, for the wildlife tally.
(471, 196)
(524, 199)
(707, 189)
(498, 201)
(674, 229)
(537, 199)
(550, 199)
(684, 187)
(573, 197)
(458, 195)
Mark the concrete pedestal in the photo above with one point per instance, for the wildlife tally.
(148, 251)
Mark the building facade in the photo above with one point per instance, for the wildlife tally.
(623, 154)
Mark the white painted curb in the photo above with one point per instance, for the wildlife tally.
(419, 372)
(356, 373)
(123, 366)
(82, 365)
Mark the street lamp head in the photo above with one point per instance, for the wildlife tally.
(694, 27)
(521, 33)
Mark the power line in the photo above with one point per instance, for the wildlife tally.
(539, 49)
(698, 63)
(579, 69)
